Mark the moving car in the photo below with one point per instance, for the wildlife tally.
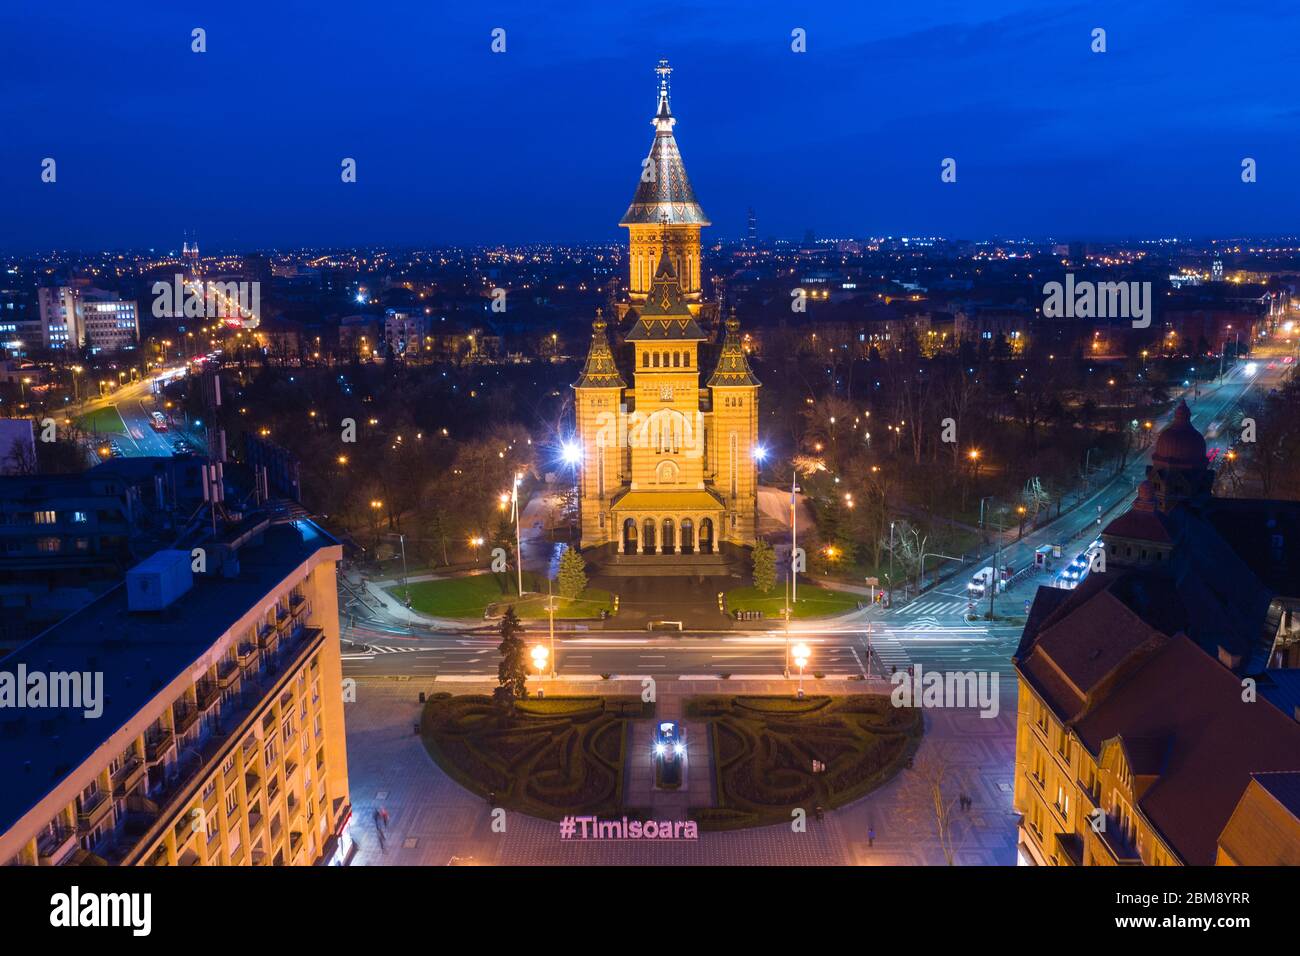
(1078, 569)
(669, 753)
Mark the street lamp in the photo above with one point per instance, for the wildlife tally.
(518, 516)
(539, 655)
(801, 654)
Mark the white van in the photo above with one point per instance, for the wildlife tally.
(981, 581)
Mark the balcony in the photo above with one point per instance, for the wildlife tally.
(206, 693)
(252, 782)
(53, 848)
(157, 745)
(227, 672)
(93, 810)
(1069, 849)
(1117, 845)
(183, 717)
(295, 809)
(255, 826)
(128, 776)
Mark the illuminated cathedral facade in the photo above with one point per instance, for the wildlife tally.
(667, 465)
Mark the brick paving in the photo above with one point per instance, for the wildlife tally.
(433, 821)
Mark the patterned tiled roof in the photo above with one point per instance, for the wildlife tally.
(733, 365)
(668, 196)
(600, 370)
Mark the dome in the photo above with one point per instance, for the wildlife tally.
(1180, 445)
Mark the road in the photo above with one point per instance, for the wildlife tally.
(931, 631)
(1074, 529)
(135, 403)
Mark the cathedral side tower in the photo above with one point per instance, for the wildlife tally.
(598, 408)
(734, 435)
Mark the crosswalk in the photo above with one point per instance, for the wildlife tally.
(929, 615)
(889, 652)
(366, 649)
(932, 608)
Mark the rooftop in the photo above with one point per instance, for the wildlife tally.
(139, 653)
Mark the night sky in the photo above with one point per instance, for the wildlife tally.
(457, 145)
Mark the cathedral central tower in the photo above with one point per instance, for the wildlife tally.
(664, 215)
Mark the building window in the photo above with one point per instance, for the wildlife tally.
(45, 517)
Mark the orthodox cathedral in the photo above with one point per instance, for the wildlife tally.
(667, 464)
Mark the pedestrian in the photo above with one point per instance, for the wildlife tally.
(871, 836)
(383, 815)
(380, 832)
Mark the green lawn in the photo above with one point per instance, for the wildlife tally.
(470, 597)
(813, 601)
(103, 421)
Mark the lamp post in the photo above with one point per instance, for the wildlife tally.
(889, 578)
(539, 655)
(801, 654)
(794, 549)
(550, 609)
(518, 516)
(406, 581)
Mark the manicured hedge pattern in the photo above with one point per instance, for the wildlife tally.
(763, 749)
(548, 758)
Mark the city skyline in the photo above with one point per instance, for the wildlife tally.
(1050, 138)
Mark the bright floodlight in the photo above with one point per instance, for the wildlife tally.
(1251, 368)
(760, 453)
(801, 654)
(540, 653)
(571, 452)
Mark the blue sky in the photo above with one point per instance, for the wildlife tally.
(455, 144)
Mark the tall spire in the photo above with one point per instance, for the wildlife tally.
(664, 115)
(664, 190)
(600, 370)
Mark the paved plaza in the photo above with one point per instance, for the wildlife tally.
(434, 822)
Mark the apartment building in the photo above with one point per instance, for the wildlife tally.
(405, 333)
(221, 737)
(1158, 722)
(80, 316)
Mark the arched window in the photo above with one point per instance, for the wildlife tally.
(686, 359)
(677, 359)
(645, 359)
(656, 360)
